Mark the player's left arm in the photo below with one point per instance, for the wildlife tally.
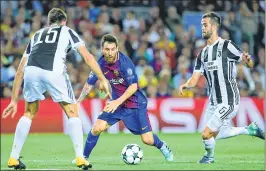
(236, 55)
(130, 76)
(12, 107)
(128, 93)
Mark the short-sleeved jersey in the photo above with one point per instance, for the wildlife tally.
(217, 63)
(49, 46)
(121, 75)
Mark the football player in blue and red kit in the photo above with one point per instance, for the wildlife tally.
(128, 103)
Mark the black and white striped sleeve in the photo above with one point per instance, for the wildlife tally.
(75, 40)
(234, 52)
(198, 64)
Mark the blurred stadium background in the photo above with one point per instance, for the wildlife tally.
(162, 37)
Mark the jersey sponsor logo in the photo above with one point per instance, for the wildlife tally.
(212, 65)
(117, 81)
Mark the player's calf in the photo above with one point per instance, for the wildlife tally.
(207, 133)
(147, 138)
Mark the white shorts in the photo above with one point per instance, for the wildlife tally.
(220, 115)
(37, 81)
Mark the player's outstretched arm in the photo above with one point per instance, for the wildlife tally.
(192, 82)
(92, 63)
(85, 91)
(246, 60)
(12, 107)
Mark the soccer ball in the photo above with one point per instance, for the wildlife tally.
(132, 154)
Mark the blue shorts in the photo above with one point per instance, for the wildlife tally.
(136, 120)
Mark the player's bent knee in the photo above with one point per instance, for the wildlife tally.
(29, 115)
(98, 128)
(31, 109)
(207, 135)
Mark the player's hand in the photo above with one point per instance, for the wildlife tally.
(111, 106)
(10, 109)
(246, 57)
(106, 87)
(182, 87)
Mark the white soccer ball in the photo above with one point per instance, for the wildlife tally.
(132, 154)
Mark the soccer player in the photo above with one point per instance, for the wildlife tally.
(217, 62)
(43, 69)
(127, 104)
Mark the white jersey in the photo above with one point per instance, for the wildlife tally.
(48, 48)
(217, 63)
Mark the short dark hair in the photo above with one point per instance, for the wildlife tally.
(56, 15)
(214, 17)
(109, 38)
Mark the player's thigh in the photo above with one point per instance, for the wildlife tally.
(111, 118)
(99, 127)
(59, 87)
(227, 121)
(31, 109)
(33, 87)
(137, 120)
(222, 114)
(209, 112)
(70, 109)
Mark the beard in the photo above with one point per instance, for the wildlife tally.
(207, 35)
(110, 59)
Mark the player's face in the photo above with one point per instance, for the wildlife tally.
(206, 28)
(109, 51)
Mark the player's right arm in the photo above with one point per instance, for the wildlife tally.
(88, 86)
(85, 91)
(193, 80)
(79, 45)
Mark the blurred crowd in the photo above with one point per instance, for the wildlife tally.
(162, 49)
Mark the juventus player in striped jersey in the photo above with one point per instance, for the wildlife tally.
(217, 62)
(43, 69)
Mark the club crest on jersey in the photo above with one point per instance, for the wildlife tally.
(91, 74)
(116, 72)
(129, 71)
(219, 54)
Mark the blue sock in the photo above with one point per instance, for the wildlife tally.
(157, 142)
(90, 144)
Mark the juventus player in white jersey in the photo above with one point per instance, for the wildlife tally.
(43, 69)
(217, 63)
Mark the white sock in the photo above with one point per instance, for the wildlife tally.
(76, 135)
(231, 132)
(209, 147)
(22, 131)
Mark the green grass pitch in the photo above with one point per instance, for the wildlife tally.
(55, 151)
